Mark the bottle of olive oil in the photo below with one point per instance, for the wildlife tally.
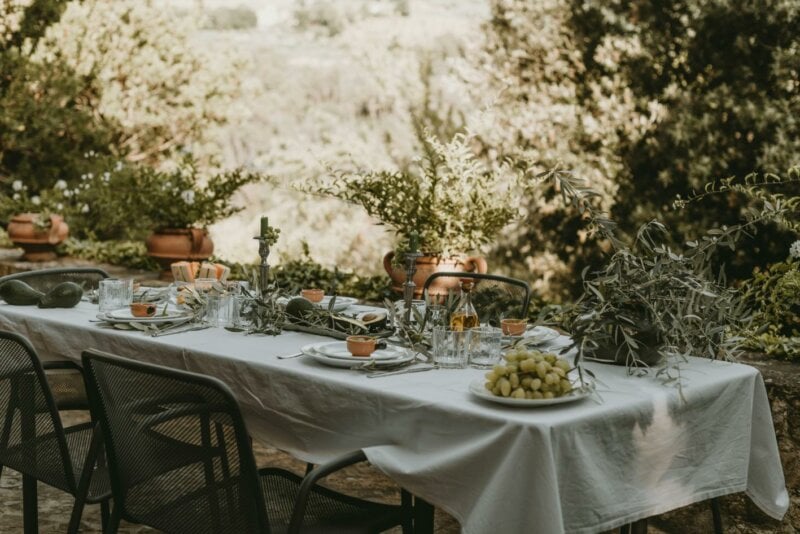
(465, 316)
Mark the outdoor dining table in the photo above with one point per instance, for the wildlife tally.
(637, 448)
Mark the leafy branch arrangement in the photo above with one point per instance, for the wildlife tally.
(302, 316)
(653, 303)
(449, 197)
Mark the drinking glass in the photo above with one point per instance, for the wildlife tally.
(450, 347)
(484, 346)
(218, 309)
(436, 315)
(115, 293)
(242, 305)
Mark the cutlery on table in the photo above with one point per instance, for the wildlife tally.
(176, 330)
(401, 371)
(289, 356)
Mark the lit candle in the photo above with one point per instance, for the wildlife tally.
(264, 226)
(413, 245)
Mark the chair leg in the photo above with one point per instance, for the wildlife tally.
(113, 521)
(30, 519)
(625, 529)
(717, 515)
(423, 516)
(104, 512)
(309, 467)
(75, 517)
(407, 504)
(639, 527)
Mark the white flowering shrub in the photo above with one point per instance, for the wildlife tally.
(159, 90)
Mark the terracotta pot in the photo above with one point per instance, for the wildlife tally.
(427, 265)
(38, 244)
(169, 245)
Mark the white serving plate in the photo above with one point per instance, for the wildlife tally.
(124, 315)
(476, 387)
(338, 350)
(402, 356)
(536, 335)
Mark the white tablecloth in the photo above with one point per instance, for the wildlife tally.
(580, 467)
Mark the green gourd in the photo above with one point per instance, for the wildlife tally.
(64, 295)
(297, 307)
(18, 293)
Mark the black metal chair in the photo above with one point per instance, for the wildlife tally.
(493, 296)
(65, 384)
(221, 491)
(34, 442)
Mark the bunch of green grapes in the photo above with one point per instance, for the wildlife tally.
(529, 374)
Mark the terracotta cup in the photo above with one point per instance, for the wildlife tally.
(143, 309)
(314, 295)
(361, 346)
(513, 327)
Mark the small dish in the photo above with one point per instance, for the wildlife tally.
(313, 295)
(513, 327)
(143, 309)
(361, 346)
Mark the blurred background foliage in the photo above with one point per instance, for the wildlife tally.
(646, 100)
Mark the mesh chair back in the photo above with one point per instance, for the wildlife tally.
(31, 437)
(493, 296)
(179, 453)
(45, 279)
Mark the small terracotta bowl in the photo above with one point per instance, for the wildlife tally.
(314, 295)
(143, 309)
(513, 327)
(361, 346)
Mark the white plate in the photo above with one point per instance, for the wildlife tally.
(537, 335)
(342, 303)
(338, 350)
(309, 350)
(124, 315)
(476, 387)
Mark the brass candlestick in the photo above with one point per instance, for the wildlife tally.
(409, 287)
(263, 268)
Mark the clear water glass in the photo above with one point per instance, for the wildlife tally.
(218, 309)
(450, 347)
(484, 346)
(114, 294)
(242, 306)
(435, 315)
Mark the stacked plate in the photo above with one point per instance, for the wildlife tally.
(335, 354)
(536, 335)
(124, 315)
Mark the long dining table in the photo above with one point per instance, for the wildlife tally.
(636, 448)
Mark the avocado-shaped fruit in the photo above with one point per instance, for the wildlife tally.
(297, 307)
(19, 293)
(64, 295)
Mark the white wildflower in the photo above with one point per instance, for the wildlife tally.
(85, 208)
(794, 250)
(36, 200)
(188, 196)
(106, 176)
(61, 184)
(16, 196)
(59, 206)
(17, 185)
(118, 166)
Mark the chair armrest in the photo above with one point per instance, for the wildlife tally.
(317, 474)
(61, 364)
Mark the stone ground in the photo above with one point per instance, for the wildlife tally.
(362, 481)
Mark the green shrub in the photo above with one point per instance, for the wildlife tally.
(646, 100)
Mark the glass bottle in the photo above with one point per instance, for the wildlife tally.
(465, 317)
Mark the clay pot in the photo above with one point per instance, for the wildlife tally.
(169, 245)
(361, 346)
(313, 295)
(38, 244)
(427, 265)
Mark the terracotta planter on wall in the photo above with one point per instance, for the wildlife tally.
(427, 265)
(169, 245)
(38, 244)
